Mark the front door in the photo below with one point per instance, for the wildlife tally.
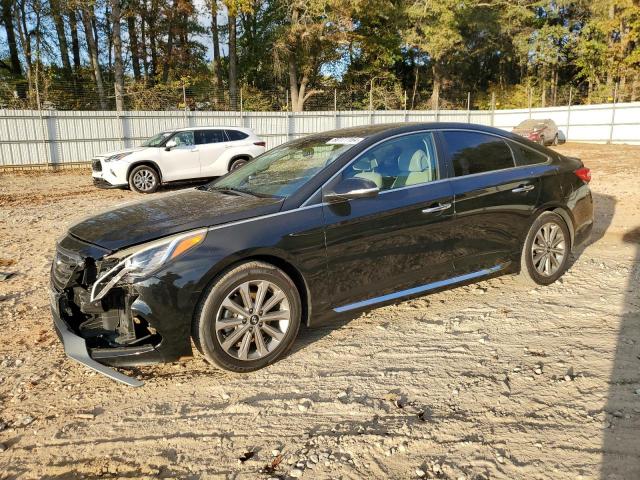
(181, 162)
(379, 248)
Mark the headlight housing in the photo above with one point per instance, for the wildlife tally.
(117, 156)
(137, 263)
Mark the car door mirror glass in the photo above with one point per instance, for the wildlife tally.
(352, 188)
(170, 144)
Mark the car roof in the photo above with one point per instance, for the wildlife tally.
(209, 127)
(383, 130)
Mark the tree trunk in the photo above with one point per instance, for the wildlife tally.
(437, 83)
(133, 46)
(153, 41)
(87, 15)
(118, 71)
(75, 43)
(58, 22)
(7, 19)
(217, 65)
(143, 39)
(634, 87)
(233, 64)
(415, 85)
(167, 56)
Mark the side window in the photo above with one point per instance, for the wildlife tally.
(236, 135)
(397, 163)
(527, 156)
(210, 136)
(183, 139)
(474, 152)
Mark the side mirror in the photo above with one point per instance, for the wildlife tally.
(169, 145)
(351, 188)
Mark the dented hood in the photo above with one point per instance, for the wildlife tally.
(140, 222)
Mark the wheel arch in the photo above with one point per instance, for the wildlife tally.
(239, 156)
(149, 163)
(277, 261)
(565, 215)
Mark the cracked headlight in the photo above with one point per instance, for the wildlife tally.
(115, 157)
(140, 262)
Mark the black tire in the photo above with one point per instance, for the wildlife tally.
(541, 141)
(204, 331)
(529, 274)
(237, 163)
(555, 140)
(144, 179)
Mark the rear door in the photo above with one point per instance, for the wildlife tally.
(380, 247)
(494, 199)
(182, 161)
(212, 144)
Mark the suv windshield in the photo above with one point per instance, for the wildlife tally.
(282, 171)
(157, 140)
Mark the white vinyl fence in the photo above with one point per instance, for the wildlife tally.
(30, 138)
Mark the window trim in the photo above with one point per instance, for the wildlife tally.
(200, 129)
(507, 140)
(226, 134)
(436, 149)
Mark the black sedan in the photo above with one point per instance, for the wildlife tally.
(331, 224)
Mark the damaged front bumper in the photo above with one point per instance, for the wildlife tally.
(76, 347)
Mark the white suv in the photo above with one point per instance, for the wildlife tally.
(181, 154)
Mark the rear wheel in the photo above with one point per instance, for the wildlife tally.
(249, 318)
(237, 163)
(144, 179)
(546, 250)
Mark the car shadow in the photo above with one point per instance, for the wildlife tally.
(621, 446)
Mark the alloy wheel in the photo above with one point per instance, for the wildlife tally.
(252, 320)
(144, 180)
(548, 249)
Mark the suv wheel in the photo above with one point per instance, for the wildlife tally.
(249, 318)
(546, 250)
(237, 163)
(144, 179)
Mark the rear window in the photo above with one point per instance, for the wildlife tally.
(210, 136)
(236, 135)
(527, 156)
(474, 152)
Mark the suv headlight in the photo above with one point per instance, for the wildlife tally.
(139, 262)
(115, 157)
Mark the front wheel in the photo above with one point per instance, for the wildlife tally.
(144, 179)
(546, 250)
(249, 318)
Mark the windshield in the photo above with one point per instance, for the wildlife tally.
(157, 140)
(282, 171)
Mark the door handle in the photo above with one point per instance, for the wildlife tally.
(523, 188)
(437, 208)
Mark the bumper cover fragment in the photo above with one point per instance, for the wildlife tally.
(76, 349)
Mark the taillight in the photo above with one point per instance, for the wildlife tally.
(260, 144)
(583, 174)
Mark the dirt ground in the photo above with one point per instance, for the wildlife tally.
(492, 380)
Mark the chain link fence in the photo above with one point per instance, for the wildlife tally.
(47, 92)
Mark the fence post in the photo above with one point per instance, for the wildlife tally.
(406, 112)
(184, 101)
(241, 107)
(566, 138)
(468, 107)
(43, 125)
(493, 108)
(335, 108)
(613, 112)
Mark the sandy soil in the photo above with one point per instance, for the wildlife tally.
(493, 380)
